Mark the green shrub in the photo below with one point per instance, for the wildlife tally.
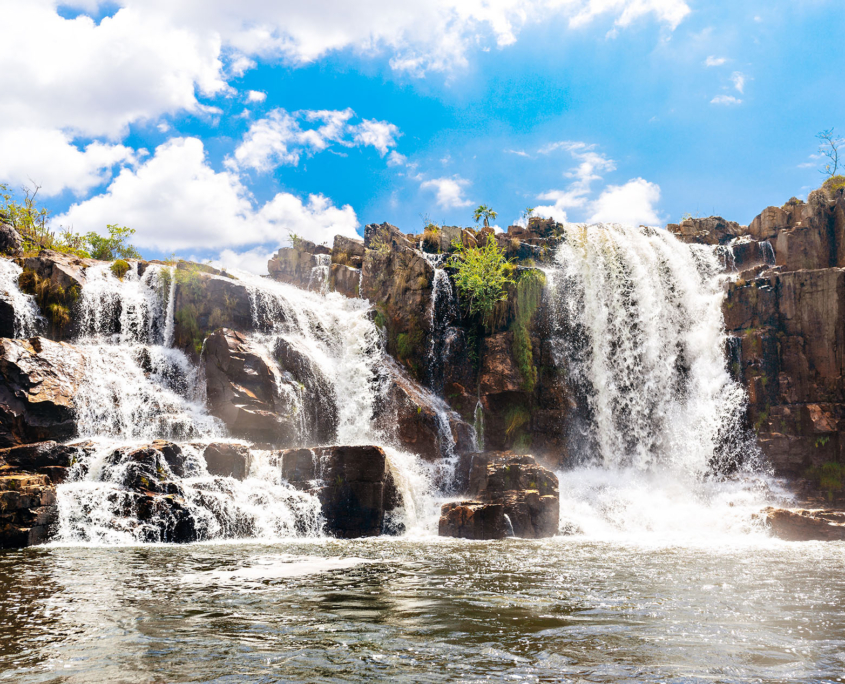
(828, 477)
(482, 274)
(834, 183)
(120, 268)
(529, 292)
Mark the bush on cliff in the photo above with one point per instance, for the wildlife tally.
(482, 275)
(834, 183)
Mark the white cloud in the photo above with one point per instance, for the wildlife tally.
(176, 201)
(713, 61)
(49, 159)
(396, 159)
(630, 204)
(669, 12)
(256, 96)
(738, 79)
(725, 100)
(253, 260)
(450, 191)
(280, 139)
(590, 165)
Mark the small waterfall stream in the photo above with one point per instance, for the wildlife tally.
(27, 318)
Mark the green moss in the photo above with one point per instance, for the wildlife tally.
(380, 319)
(529, 293)
(828, 477)
(515, 418)
(119, 268)
(54, 301)
(834, 183)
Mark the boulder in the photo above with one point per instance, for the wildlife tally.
(472, 520)
(228, 460)
(528, 492)
(348, 252)
(27, 509)
(345, 280)
(354, 484)
(10, 240)
(242, 390)
(795, 524)
(38, 381)
(712, 230)
(298, 265)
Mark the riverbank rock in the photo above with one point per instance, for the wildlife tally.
(27, 509)
(472, 520)
(805, 525)
(38, 381)
(528, 491)
(242, 391)
(354, 484)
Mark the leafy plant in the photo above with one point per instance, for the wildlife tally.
(485, 213)
(114, 246)
(834, 183)
(481, 276)
(120, 268)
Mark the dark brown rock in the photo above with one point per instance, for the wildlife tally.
(713, 230)
(348, 252)
(10, 240)
(345, 280)
(472, 520)
(354, 485)
(38, 380)
(27, 509)
(242, 392)
(228, 460)
(805, 525)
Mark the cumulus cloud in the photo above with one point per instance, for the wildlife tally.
(256, 96)
(725, 100)
(176, 201)
(449, 191)
(713, 61)
(252, 260)
(280, 139)
(591, 165)
(630, 204)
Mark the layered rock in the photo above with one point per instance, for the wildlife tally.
(805, 525)
(242, 390)
(472, 520)
(527, 492)
(354, 484)
(38, 381)
(11, 244)
(27, 509)
(304, 265)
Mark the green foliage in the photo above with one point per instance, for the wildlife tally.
(485, 213)
(822, 441)
(407, 343)
(54, 301)
(31, 222)
(120, 268)
(295, 241)
(834, 183)
(528, 213)
(380, 319)
(828, 477)
(482, 274)
(380, 242)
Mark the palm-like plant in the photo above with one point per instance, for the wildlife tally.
(484, 212)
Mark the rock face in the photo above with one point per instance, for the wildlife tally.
(27, 509)
(354, 485)
(806, 525)
(528, 492)
(472, 520)
(10, 240)
(242, 391)
(228, 460)
(38, 380)
(304, 265)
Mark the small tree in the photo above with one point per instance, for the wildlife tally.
(481, 276)
(114, 246)
(484, 212)
(829, 148)
(527, 213)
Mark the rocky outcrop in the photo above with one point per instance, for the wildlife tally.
(419, 420)
(228, 460)
(242, 390)
(805, 525)
(11, 244)
(472, 520)
(354, 484)
(38, 381)
(44, 458)
(27, 509)
(527, 491)
(304, 265)
(713, 230)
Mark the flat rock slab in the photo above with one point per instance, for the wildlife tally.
(799, 524)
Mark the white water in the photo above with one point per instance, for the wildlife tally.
(28, 320)
(639, 331)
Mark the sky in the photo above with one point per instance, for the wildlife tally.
(217, 129)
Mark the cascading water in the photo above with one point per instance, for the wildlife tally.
(639, 331)
(27, 319)
(138, 389)
(442, 313)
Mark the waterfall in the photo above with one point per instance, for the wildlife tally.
(27, 319)
(638, 328)
(442, 312)
(137, 389)
(318, 280)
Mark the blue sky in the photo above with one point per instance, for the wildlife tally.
(215, 131)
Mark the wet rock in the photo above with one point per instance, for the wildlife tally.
(38, 381)
(472, 520)
(354, 484)
(420, 420)
(805, 525)
(528, 491)
(242, 390)
(46, 458)
(27, 509)
(228, 460)
(345, 280)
